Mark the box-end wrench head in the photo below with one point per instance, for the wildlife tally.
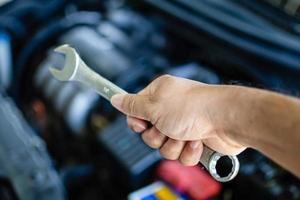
(210, 158)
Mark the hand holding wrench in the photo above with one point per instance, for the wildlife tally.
(76, 70)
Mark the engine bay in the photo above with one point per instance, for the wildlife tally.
(63, 141)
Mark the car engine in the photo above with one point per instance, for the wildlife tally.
(63, 141)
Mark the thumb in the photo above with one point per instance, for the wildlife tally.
(133, 105)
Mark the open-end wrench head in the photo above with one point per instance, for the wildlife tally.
(71, 63)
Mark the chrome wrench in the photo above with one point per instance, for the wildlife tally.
(76, 70)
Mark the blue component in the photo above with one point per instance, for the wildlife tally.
(5, 60)
(150, 197)
(4, 36)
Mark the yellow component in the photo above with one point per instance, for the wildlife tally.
(165, 194)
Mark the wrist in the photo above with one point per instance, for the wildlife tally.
(249, 115)
(233, 113)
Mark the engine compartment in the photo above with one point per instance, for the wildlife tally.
(87, 148)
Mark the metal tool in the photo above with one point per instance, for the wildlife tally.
(76, 70)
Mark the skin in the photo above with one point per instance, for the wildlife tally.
(178, 116)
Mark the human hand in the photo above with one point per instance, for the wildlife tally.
(178, 116)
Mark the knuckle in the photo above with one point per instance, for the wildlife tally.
(131, 104)
(165, 77)
(151, 140)
(187, 161)
(155, 144)
(169, 153)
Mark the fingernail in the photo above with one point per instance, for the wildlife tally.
(194, 144)
(138, 127)
(117, 101)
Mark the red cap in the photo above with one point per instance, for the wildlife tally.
(193, 181)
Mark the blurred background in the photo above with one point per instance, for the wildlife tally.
(63, 141)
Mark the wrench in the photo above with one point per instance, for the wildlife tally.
(76, 70)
